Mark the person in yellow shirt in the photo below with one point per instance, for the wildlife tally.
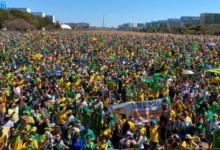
(154, 134)
(106, 131)
(67, 84)
(122, 120)
(61, 116)
(31, 144)
(131, 124)
(140, 94)
(105, 144)
(3, 139)
(215, 79)
(165, 91)
(139, 126)
(189, 143)
(172, 114)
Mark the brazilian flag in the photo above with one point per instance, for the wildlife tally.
(194, 45)
(22, 60)
(9, 59)
(100, 118)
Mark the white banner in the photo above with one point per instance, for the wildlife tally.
(139, 110)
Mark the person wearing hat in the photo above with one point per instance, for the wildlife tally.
(31, 144)
(69, 117)
(3, 138)
(111, 121)
(154, 134)
(36, 135)
(139, 126)
(128, 141)
(189, 143)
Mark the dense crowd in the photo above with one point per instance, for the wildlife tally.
(56, 89)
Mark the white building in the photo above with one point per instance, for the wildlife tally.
(38, 14)
(134, 25)
(52, 17)
(21, 9)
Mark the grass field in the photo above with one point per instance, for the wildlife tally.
(141, 34)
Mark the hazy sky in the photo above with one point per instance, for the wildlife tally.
(117, 11)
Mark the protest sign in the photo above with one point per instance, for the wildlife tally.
(140, 110)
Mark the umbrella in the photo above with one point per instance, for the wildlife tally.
(187, 72)
(94, 39)
(210, 44)
(49, 36)
(53, 40)
(18, 33)
(147, 45)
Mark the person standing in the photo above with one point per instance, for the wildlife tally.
(164, 120)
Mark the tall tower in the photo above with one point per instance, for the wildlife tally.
(103, 21)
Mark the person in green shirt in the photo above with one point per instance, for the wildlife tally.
(25, 108)
(90, 101)
(84, 118)
(111, 121)
(199, 99)
(89, 144)
(201, 126)
(86, 132)
(216, 138)
(174, 142)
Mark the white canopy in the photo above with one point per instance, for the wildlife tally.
(65, 26)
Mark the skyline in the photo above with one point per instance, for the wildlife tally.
(117, 12)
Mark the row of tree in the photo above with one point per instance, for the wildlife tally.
(213, 29)
(18, 20)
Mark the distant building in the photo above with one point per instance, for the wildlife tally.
(148, 24)
(127, 26)
(58, 22)
(133, 25)
(209, 18)
(83, 25)
(38, 14)
(3, 5)
(120, 27)
(193, 20)
(140, 25)
(173, 22)
(21, 9)
(73, 25)
(52, 17)
(162, 23)
(154, 23)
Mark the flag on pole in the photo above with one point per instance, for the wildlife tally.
(100, 118)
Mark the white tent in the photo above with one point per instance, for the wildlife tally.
(65, 26)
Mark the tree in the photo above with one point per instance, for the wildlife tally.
(188, 25)
(16, 13)
(4, 15)
(57, 26)
(17, 24)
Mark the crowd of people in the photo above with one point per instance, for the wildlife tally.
(56, 89)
